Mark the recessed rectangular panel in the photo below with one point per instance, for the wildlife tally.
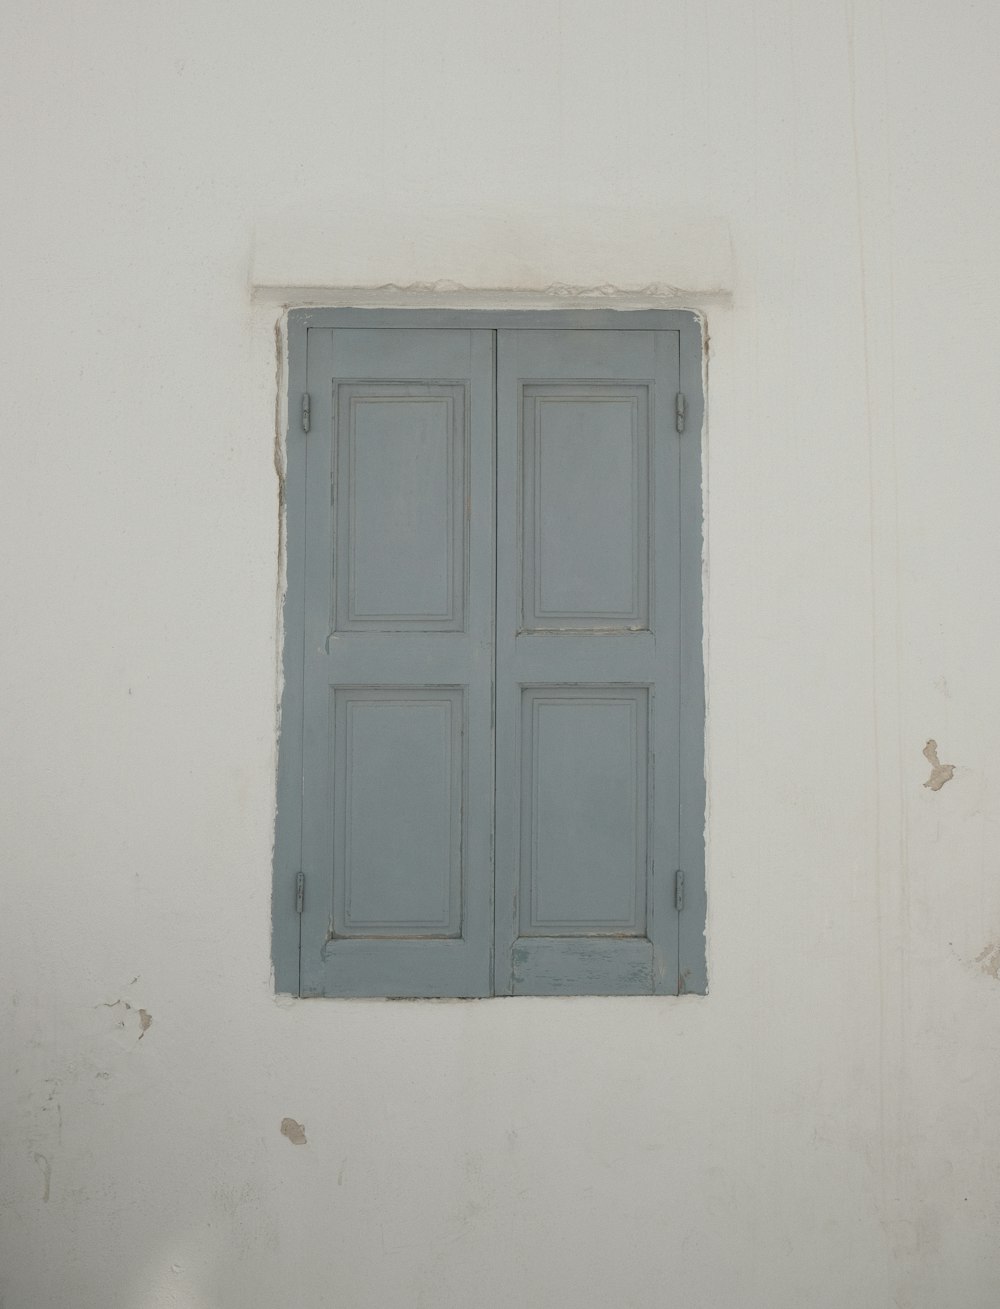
(584, 771)
(400, 507)
(398, 779)
(585, 506)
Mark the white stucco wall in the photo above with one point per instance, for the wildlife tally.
(820, 181)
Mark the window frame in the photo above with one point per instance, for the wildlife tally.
(286, 894)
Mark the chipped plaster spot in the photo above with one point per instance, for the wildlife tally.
(940, 773)
(46, 1168)
(988, 960)
(295, 1132)
(144, 1016)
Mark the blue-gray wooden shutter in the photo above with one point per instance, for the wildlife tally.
(397, 790)
(588, 662)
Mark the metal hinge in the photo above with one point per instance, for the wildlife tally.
(306, 405)
(300, 891)
(679, 891)
(680, 410)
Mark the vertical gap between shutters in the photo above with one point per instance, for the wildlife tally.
(679, 870)
(493, 677)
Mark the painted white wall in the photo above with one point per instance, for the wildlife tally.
(820, 180)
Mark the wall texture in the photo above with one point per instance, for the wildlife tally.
(820, 181)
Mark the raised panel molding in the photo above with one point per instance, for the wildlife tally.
(399, 472)
(584, 810)
(585, 491)
(398, 773)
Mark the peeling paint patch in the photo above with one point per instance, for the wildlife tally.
(295, 1132)
(988, 960)
(940, 773)
(144, 1016)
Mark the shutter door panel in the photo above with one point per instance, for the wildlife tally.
(398, 753)
(584, 775)
(587, 662)
(584, 487)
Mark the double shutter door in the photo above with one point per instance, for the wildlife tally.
(491, 665)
